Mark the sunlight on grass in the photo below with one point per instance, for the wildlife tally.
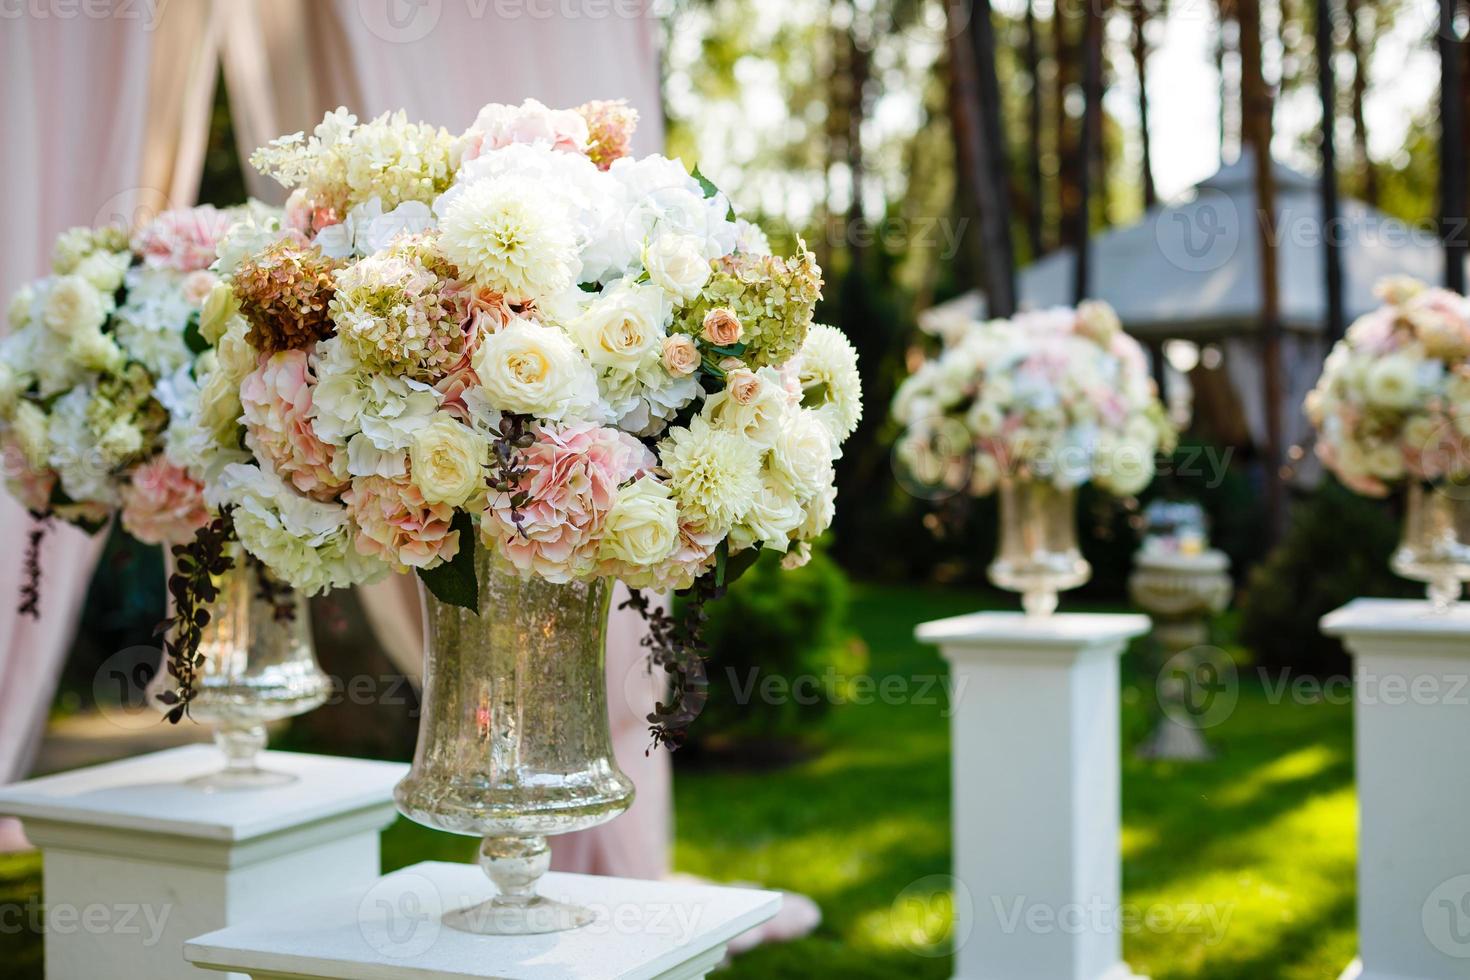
(1299, 765)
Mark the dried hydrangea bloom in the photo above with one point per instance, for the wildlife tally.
(402, 309)
(284, 292)
(773, 299)
(610, 126)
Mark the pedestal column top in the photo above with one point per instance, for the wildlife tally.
(148, 795)
(1401, 619)
(644, 929)
(1014, 632)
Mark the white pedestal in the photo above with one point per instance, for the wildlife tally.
(135, 862)
(392, 929)
(1411, 709)
(1034, 758)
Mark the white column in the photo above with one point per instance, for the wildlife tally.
(1411, 711)
(1037, 819)
(644, 930)
(135, 862)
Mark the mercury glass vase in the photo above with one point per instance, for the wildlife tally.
(514, 744)
(1435, 544)
(1038, 554)
(259, 666)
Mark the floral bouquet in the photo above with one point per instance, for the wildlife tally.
(91, 370)
(1393, 402)
(1059, 395)
(521, 337)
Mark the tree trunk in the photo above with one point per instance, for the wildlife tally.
(1452, 149)
(1065, 52)
(858, 63)
(1032, 54)
(1087, 153)
(1359, 91)
(1256, 127)
(1327, 92)
(1140, 68)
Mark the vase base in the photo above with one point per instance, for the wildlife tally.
(240, 780)
(500, 918)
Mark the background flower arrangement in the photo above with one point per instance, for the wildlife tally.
(98, 358)
(1393, 401)
(520, 337)
(1059, 395)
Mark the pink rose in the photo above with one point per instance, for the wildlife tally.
(574, 474)
(722, 327)
(162, 503)
(681, 355)
(396, 524)
(277, 414)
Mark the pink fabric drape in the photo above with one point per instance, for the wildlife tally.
(73, 113)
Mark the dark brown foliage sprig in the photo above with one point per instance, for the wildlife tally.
(272, 591)
(30, 583)
(676, 646)
(191, 586)
(507, 464)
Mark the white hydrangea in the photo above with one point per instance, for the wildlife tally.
(150, 323)
(374, 415)
(74, 452)
(667, 199)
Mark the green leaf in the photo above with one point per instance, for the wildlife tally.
(815, 396)
(454, 581)
(731, 350)
(710, 190)
(722, 558)
(740, 564)
(193, 339)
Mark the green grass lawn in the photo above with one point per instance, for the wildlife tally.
(1261, 839)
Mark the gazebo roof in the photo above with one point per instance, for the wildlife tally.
(1191, 268)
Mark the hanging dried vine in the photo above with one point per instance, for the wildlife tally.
(676, 646)
(192, 587)
(507, 464)
(30, 584)
(272, 591)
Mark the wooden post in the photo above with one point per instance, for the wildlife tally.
(1331, 251)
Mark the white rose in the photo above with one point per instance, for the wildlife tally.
(73, 305)
(642, 528)
(819, 513)
(19, 311)
(531, 369)
(622, 327)
(773, 515)
(94, 350)
(1385, 462)
(121, 440)
(801, 456)
(448, 461)
(215, 313)
(984, 418)
(29, 424)
(677, 263)
(233, 352)
(761, 417)
(1392, 382)
(104, 270)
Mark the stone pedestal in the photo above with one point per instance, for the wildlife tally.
(394, 928)
(1181, 593)
(135, 862)
(1411, 712)
(1035, 765)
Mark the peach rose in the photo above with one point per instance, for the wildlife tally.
(722, 327)
(681, 355)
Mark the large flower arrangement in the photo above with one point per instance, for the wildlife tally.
(1393, 401)
(97, 356)
(524, 336)
(1061, 395)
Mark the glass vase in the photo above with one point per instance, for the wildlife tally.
(1435, 544)
(513, 743)
(1037, 554)
(259, 666)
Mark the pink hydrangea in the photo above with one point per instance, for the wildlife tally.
(31, 488)
(531, 122)
(183, 239)
(574, 474)
(396, 524)
(276, 398)
(162, 504)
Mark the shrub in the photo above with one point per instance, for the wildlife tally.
(773, 627)
(1335, 550)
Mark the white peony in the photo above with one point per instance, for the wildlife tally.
(623, 326)
(677, 263)
(537, 370)
(642, 527)
(448, 461)
(715, 474)
(72, 305)
(512, 235)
